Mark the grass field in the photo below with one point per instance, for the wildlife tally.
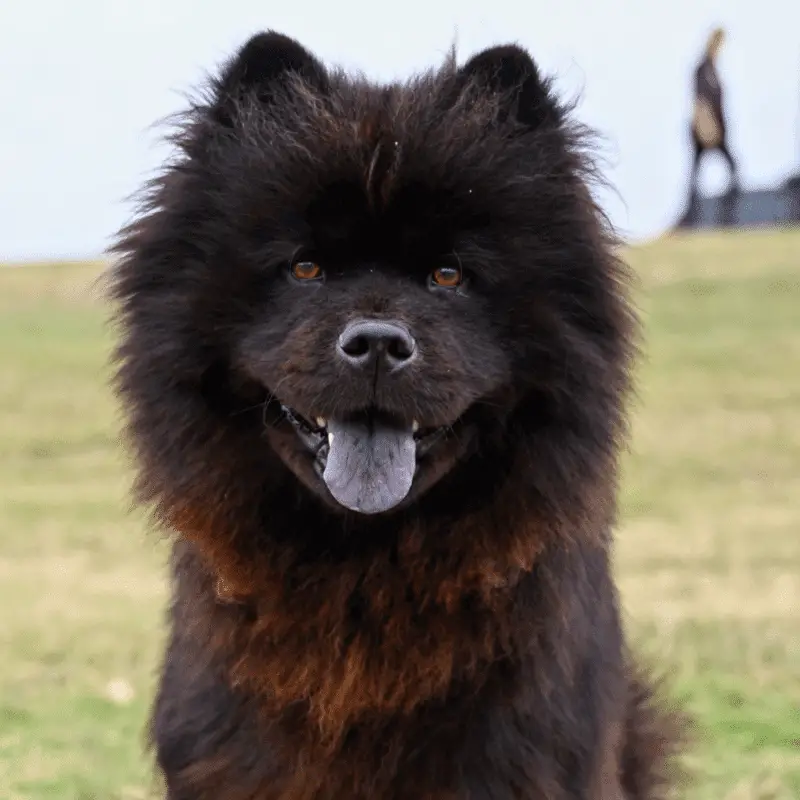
(708, 550)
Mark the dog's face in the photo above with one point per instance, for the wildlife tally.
(397, 270)
(374, 337)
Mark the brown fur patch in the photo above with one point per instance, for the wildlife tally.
(425, 619)
(376, 132)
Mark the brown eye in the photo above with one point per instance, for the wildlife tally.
(447, 277)
(306, 271)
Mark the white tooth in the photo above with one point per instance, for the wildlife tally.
(321, 422)
(414, 426)
(330, 438)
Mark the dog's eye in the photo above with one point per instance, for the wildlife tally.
(306, 271)
(447, 277)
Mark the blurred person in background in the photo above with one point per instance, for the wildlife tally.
(708, 128)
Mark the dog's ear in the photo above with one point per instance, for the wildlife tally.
(509, 72)
(260, 67)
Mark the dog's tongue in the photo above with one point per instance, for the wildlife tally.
(369, 468)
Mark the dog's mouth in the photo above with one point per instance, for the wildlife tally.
(368, 460)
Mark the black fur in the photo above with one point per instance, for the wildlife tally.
(467, 643)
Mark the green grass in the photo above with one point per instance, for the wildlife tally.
(708, 550)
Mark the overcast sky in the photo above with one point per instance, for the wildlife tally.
(82, 82)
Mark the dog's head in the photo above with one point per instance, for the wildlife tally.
(375, 284)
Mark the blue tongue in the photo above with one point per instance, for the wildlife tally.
(370, 468)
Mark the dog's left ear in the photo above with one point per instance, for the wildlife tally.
(510, 72)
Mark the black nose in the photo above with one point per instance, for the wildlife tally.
(367, 341)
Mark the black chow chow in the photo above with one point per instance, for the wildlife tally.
(375, 349)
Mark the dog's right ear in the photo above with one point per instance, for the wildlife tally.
(260, 67)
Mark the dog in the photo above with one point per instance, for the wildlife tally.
(375, 346)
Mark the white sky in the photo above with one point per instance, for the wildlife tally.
(81, 83)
